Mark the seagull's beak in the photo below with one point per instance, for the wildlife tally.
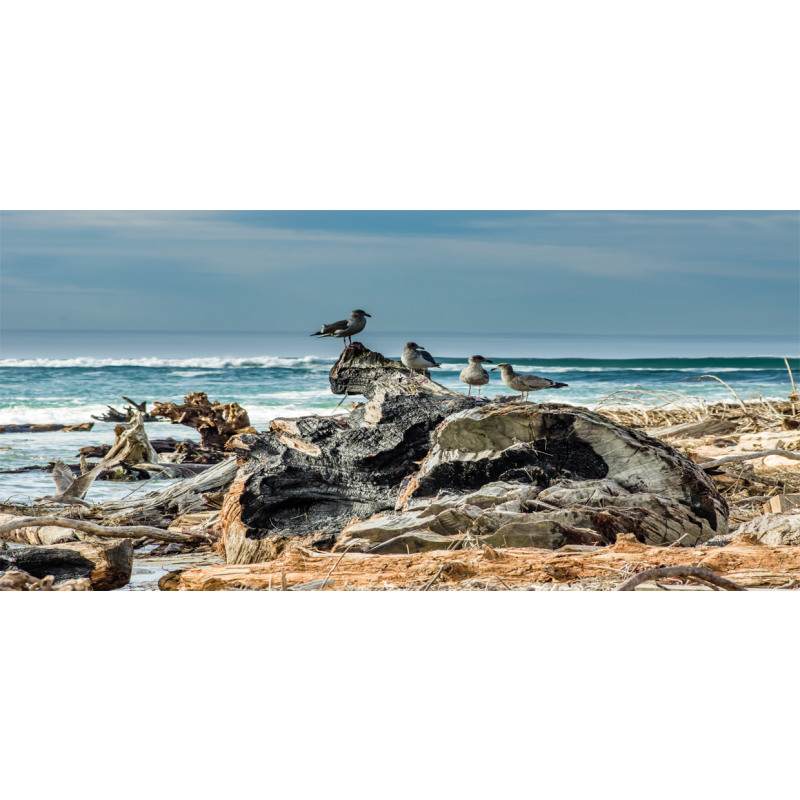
(493, 368)
(488, 361)
(367, 315)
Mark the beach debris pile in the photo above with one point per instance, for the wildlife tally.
(423, 488)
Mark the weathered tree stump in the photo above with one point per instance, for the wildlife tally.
(414, 443)
(131, 445)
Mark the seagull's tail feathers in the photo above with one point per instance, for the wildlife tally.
(557, 385)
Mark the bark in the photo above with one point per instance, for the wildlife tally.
(107, 566)
(215, 421)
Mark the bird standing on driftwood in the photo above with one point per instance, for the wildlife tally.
(345, 328)
(416, 358)
(475, 374)
(525, 384)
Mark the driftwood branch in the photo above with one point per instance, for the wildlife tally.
(693, 573)
(749, 456)
(120, 532)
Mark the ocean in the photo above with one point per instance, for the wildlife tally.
(58, 377)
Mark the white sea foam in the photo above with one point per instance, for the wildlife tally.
(50, 415)
(215, 362)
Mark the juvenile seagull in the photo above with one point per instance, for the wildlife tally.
(525, 383)
(475, 374)
(71, 490)
(345, 328)
(416, 358)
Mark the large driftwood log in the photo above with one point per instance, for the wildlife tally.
(317, 474)
(216, 421)
(83, 426)
(107, 566)
(182, 497)
(17, 529)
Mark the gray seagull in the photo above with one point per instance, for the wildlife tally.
(345, 328)
(475, 374)
(416, 358)
(525, 383)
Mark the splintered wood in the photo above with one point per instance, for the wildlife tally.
(745, 561)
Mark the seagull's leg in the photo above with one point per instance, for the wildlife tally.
(479, 391)
(469, 391)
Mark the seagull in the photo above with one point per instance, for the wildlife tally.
(475, 374)
(415, 358)
(71, 490)
(345, 328)
(525, 383)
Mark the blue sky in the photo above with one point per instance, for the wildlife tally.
(557, 272)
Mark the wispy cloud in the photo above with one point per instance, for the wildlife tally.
(582, 268)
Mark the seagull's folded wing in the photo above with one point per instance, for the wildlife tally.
(332, 327)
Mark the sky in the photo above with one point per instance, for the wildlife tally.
(610, 272)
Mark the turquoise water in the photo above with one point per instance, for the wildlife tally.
(49, 377)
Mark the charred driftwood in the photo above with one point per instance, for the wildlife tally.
(107, 566)
(411, 470)
(216, 422)
(365, 372)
